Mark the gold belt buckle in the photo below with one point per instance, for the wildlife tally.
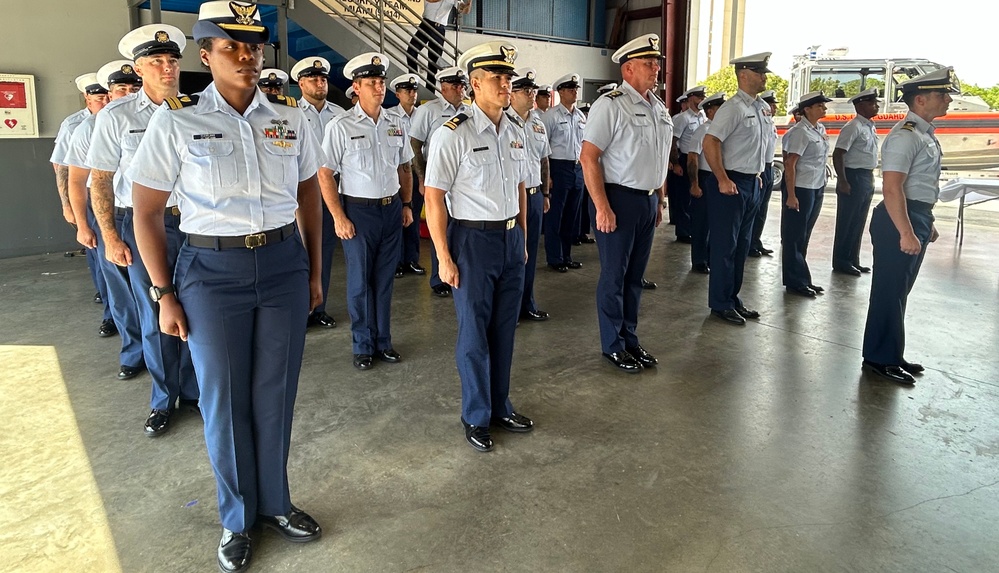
(510, 224)
(255, 240)
(386, 201)
(532, 190)
(175, 211)
(651, 191)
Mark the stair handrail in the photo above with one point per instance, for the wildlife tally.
(396, 37)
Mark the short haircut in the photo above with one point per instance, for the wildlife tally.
(206, 45)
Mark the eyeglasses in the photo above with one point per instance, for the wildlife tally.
(526, 90)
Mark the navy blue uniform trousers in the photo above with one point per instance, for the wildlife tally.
(761, 215)
(491, 283)
(730, 220)
(851, 218)
(678, 199)
(95, 266)
(372, 256)
(699, 230)
(329, 246)
(562, 218)
(409, 250)
(168, 358)
(535, 215)
(795, 233)
(124, 309)
(624, 254)
(246, 313)
(894, 273)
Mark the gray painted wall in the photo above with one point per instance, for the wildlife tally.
(55, 41)
(31, 218)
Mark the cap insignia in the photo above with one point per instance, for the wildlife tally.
(243, 14)
(127, 70)
(272, 76)
(376, 61)
(317, 64)
(509, 53)
(162, 37)
(530, 75)
(654, 42)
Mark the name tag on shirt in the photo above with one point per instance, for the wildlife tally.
(476, 149)
(198, 136)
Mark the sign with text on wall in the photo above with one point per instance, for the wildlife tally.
(18, 115)
(392, 9)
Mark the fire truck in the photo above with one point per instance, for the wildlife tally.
(968, 134)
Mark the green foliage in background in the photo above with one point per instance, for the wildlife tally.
(724, 81)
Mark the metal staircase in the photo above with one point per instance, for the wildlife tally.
(336, 30)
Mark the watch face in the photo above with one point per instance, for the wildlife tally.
(154, 293)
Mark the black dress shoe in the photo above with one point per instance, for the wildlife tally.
(862, 269)
(890, 371)
(559, 267)
(478, 437)
(575, 265)
(363, 361)
(98, 299)
(729, 315)
(765, 251)
(648, 285)
(853, 272)
(515, 423)
(234, 551)
(683, 239)
(297, 526)
(702, 268)
(107, 328)
(441, 290)
(912, 367)
(321, 319)
(157, 423)
(536, 315)
(129, 372)
(755, 253)
(747, 313)
(624, 361)
(803, 291)
(388, 355)
(642, 356)
(817, 289)
(587, 240)
(414, 268)
(398, 271)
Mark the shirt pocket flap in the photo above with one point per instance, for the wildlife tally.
(481, 158)
(214, 148)
(358, 144)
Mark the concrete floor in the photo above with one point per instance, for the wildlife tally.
(761, 448)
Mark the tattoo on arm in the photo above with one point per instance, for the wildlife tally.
(102, 200)
(419, 161)
(62, 182)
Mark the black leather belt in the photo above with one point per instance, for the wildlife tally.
(122, 211)
(243, 241)
(739, 175)
(616, 187)
(573, 161)
(504, 225)
(370, 202)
